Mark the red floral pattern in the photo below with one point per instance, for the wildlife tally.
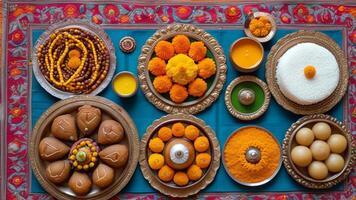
(21, 15)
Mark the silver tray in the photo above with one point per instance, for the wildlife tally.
(73, 23)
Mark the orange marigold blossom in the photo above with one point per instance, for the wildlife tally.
(157, 66)
(207, 68)
(166, 173)
(203, 160)
(201, 144)
(194, 172)
(162, 84)
(197, 50)
(181, 179)
(178, 93)
(164, 50)
(197, 88)
(156, 145)
(74, 53)
(181, 44)
(178, 129)
(165, 133)
(156, 161)
(191, 132)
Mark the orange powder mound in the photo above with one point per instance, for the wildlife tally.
(239, 167)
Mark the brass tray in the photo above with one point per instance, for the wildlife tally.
(189, 107)
(73, 23)
(166, 188)
(281, 47)
(247, 116)
(302, 178)
(42, 127)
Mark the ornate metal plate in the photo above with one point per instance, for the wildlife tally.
(281, 47)
(169, 189)
(302, 178)
(190, 107)
(41, 130)
(73, 23)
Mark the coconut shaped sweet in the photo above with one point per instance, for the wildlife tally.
(63, 127)
(103, 175)
(58, 171)
(110, 132)
(52, 149)
(80, 183)
(88, 119)
(115, 155)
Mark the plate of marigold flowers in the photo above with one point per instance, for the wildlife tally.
(179, 155)
(181, 69)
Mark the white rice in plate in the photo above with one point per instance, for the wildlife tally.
(294, 84)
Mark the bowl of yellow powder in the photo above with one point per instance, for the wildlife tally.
(252, 156)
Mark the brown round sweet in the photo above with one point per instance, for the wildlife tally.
(115, 155)
(58, 171)
(88, 119)
(110, 132)
(103, 175)
(80, 183)
(174, 161)
(320, 150)
(51, 149)
(63, 127)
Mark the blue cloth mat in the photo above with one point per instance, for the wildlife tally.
(276, 119)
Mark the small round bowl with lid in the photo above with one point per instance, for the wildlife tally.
(257, 15)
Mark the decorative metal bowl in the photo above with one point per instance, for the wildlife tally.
(193, 106)
(70, 105)
(170, 188)
(73, 23)
(291, 40)
(260, 14)
(301, 176)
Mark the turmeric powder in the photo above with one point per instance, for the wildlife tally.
(235, 151)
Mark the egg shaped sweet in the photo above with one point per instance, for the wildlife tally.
(322, 130)
(63, 127)
(320, 150)
(110, 132)
(115, 155)
(88, 119)
(318, 170)
(335, 163)
(80, 183)
(58, 171)
(305, 136)
(51, 149)
(103, 175)
(337, 143)
(301, 156)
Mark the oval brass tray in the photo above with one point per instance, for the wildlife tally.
(304, 179)
(108, 108)
(170, 189)
(247, 116)
(189, 107)
(73, 23)
(281, 47)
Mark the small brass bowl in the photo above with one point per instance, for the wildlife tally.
(300, 174)
(256, 15)
(253, 67)
(125, 73)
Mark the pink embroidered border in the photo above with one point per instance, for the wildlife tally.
(20, 15)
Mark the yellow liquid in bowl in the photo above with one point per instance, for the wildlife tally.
(246, 53)
(125, 84)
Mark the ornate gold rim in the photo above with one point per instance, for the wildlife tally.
(158, 100)
(196, 187)
(247, 116)
(281, 47)
(104, 104)
(302, 179)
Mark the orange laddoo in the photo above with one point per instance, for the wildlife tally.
(162, 84)
(191, 132)
(157, 66)
(165, 133)
(181, 44)
(74, 53)
(74, 62)
(197, 51)
(178, 93)
(166, 173)
(156, 161)
(206, 67)
(197, 88)
(194, 172)
(178, 129)
(164, 50)
(201, 144)
(203, 160)
(156, 145)
(181, 178)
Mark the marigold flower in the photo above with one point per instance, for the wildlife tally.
(178, 129)
(165, 133)
(191, 132)
(206, 67)
(181, 44)
(74, 53)
(182, 69)
(157, 66)
(203, 160)
(178, 93)
(162, 84)
(164, 50)
(194, 172)
(197, 50)
(156, 145)
(201, 144)
(166, 173)
(74, 62)
(156, 161)
(198, 87)
(181, 178)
